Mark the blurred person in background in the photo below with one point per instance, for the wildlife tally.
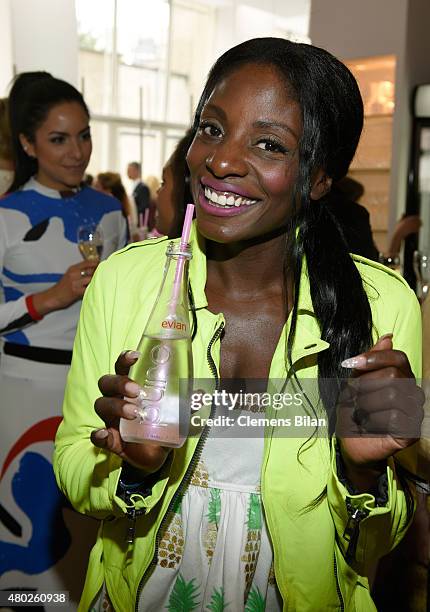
(153, 184)
(88, 179)
(6, 162)
(405, 226)
(141, 194)
(110, 183)
(174, 193)
(43, 279)
(353, 218)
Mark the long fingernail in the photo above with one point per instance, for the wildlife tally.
(130, 411)
(390, 335)
(101, 434)
(132, 354)
(360, 361)
(132, 389)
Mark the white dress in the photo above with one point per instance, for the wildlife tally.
(214, 550)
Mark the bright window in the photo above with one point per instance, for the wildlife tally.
(140, 70)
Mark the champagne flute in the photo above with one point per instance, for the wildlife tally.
(421, 265)
(90, 241)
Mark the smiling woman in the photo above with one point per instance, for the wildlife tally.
(245, 165)
(292, 517)
(42, 282)
(62, 146)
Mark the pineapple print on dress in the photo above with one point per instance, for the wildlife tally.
(200, 477)
(171, 545)
(184, 596)
(256, 601)
(214, 511)
(252, 545)
(217, 602)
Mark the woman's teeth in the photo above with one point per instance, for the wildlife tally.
(223, 200)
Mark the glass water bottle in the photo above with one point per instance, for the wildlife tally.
(164, 369)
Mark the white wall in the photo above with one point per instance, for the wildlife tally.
(6, 53)
(238, 21)
(351, 29)
(44, 37)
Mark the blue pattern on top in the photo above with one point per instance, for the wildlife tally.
(18, 337)
(88, 206)
(11, 293)
(32, 278)
(28, 218)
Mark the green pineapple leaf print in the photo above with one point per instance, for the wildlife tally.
(254, 512)
(183, 596)
(217, 603)
(177, 505)
(255, 602)
(214, 506)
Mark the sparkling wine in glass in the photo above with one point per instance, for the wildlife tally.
(90, 241)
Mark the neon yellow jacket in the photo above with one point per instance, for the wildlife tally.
(309, 547)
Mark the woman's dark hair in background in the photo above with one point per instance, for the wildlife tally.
(112, 183)
(353, 218)
(32, 96)
(5, 144)
(88, 179)
(332, 113)
(181, 178)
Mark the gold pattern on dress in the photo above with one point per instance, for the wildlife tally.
(200, 477)
(171, 547)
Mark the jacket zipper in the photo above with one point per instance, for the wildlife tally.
(131, 528)
(194, 460)
(339, 592)
(352, 529)
(351, 534)
(132, 514)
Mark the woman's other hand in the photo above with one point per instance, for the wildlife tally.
(379, 413)
(118, 401)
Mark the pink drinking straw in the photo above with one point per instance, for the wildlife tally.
(182, 245)
(146, 217)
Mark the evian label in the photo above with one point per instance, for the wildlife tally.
(178, 325)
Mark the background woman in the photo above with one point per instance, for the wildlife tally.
(153, 184)
(43, 279)
(110, 183)
(174, 193)
(292, 519)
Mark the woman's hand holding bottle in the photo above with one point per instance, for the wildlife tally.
(118, 401)
(380, 411)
